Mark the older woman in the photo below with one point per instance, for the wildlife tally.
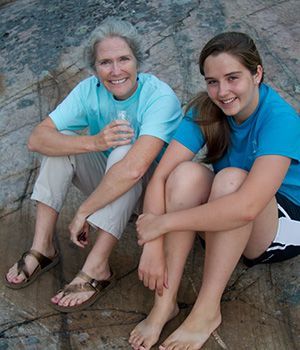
(130, 117)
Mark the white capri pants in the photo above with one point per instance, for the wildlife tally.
(85, 171)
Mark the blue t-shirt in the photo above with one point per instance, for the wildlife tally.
(153, 109)
(273, 129)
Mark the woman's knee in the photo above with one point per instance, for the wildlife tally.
(227, 181)
(63, 165)
(116, 155)
(188, 184)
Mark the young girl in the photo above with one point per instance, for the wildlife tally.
(248, 205)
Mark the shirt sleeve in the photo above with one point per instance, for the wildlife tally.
(71, 114)
(280, 135)
(189, 134)
(161, 118)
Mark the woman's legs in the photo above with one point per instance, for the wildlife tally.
(223, 251)
(111, 222)
(187, 186)
(96, 266)
(52, 184)
(46, 218)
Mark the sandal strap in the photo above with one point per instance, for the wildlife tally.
(21, 267)
(77, 288)
(42, 260)
(88, 279)
(90, 284)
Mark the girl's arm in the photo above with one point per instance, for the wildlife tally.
(225, 213)
(152, 269)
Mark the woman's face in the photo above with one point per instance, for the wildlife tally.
(231, 86)
(116, 67)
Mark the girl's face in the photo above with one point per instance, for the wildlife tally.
(116, 67)
(231, 86)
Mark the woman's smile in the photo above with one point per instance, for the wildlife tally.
(116, 67)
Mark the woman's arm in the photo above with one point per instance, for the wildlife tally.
(152, 269)
(225, 213)
(120, 178)
(47, 140)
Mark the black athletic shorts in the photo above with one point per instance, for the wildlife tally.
(286, 244)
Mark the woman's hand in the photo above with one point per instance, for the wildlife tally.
(152, 268)
(149, 227)
(79, 230)
(117, 133)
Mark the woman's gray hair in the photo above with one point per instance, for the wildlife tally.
(112, 27)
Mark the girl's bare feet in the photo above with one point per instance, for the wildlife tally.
(147, 332)
(193, 332)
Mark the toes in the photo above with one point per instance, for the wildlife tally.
(64, 301)
(77, 300)
(135, 340)
(13, 277)
(164, 346)
(17, 279)
(56, 298)
(68, 300)
(173, 345)
(71, 299)
(11, 274)
(73, 302)
(133, 333)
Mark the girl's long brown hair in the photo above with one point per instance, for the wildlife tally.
(211, 119)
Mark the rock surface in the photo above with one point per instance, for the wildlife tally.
(41, 44)
(40, 61)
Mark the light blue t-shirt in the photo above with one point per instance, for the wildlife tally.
(273, 129)
(153, 109)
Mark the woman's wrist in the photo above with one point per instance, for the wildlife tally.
(95, 144)
(83, 212)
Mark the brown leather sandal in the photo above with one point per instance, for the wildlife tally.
(44, 264)
(90, 285)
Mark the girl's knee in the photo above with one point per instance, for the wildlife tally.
(189, 181)
(227, 181)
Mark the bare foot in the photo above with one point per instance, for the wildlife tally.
(192, 334)
(147, 332)
(76, 298)
(31, 264)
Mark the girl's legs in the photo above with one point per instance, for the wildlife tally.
(223, 251)
(187, 186)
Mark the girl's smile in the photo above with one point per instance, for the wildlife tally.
(231, 86)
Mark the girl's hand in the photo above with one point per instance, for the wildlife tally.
(79, 230)
(149, 227)
(152, 267)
